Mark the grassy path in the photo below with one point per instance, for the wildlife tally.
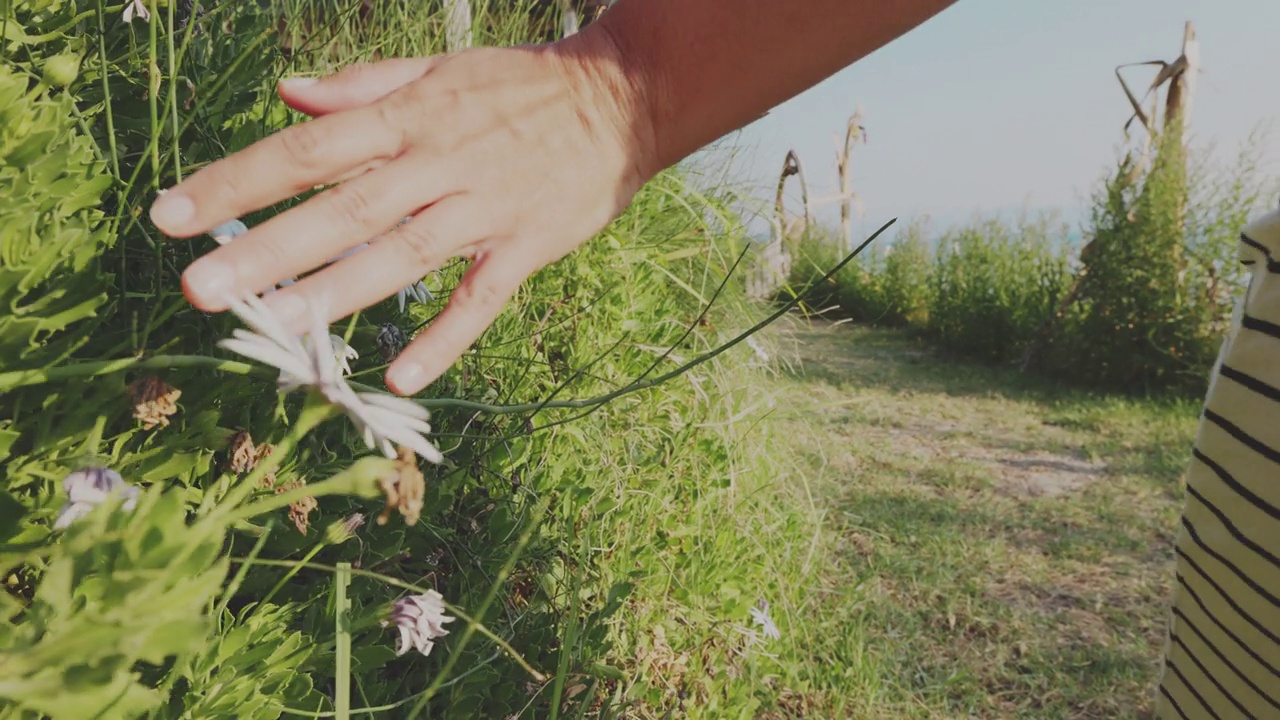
(1002, 549)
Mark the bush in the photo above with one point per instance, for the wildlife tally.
(994, 287)
(1143, 309)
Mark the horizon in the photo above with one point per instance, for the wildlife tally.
(1009, 75)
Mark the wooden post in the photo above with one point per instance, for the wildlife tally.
(791, 166)
(457, 34)
(854, 131)
(1182, 83)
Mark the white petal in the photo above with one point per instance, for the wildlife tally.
(71, 512)
(271, 355)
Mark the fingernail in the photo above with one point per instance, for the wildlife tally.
(406, 378)
(209, 281)
(172, 210)
(294, 83)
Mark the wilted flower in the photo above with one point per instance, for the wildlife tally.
(760, 614)
(420, 619)
(384, 420)
(154, 401)
(404, 490)
(299, 510)
(339, 531)
(391, 341)
(136, 8)
(242, 455)
(89, 488)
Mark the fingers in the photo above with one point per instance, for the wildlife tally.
(307, 236)
(394, 261)
(354, 86)
(279, 167)
(472, 308)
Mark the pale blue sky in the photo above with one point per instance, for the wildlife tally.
(996, 104)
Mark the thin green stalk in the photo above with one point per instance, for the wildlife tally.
(342, 651)
(311, 555)
(360, 480)
(95, 368)
(238, 580)
(173, 93)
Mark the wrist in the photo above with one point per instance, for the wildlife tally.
(615, 82)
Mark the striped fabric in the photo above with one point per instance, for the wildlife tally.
(1222, 657)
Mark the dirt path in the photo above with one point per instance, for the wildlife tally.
(1005, 548)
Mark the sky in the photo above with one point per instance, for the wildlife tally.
(999, 105)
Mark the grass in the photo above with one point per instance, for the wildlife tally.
(993, 547)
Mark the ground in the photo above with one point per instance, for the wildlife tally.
(1002, 548)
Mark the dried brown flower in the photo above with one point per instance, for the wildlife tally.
(243, 453)
(263, 451)
(404, 489)
(299, 510)
(154, 401)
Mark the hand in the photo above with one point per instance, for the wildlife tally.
(510, 157)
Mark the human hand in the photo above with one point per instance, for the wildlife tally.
(510, 157)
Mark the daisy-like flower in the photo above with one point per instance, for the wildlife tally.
(384, 420)
(760, 614)
(420, 619)
(89, 488)
(136, 8)
(417, 291)
(344, 353)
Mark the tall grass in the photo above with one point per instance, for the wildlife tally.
(601, 538)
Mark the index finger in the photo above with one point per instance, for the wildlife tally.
(279, 167)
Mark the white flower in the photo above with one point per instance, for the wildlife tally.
(343, 352)
(89, 488)
(138, 8)
(420, 619)
(384, 420)
(760, 614)
(417, 291)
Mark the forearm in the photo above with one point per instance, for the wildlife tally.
(707, 67)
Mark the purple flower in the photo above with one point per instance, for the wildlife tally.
(420, 619)
(87, 489)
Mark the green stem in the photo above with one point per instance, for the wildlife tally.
(311, 555)
(359, 480)
(173, 92)
(342, 627)
(21, 378)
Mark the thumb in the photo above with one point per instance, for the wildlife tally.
(354, 86)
